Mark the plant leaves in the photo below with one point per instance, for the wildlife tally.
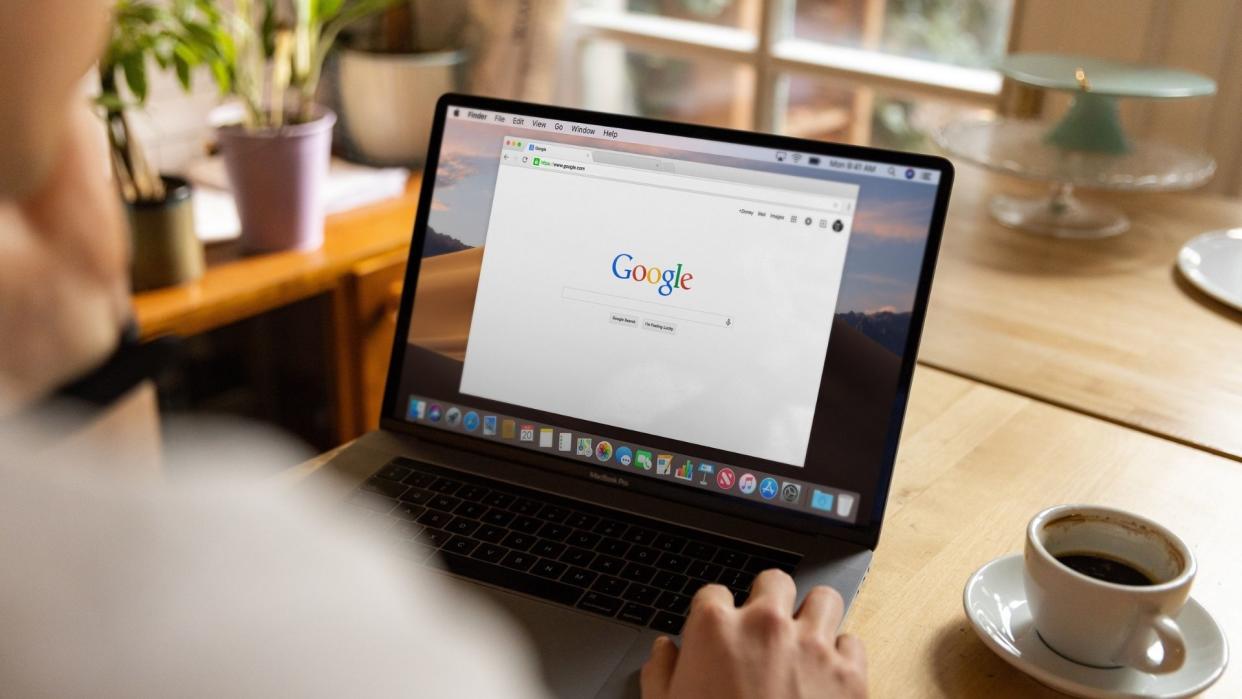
(183, 71)
(329, 8)
(135, 69)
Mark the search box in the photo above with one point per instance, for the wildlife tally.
(650, 308)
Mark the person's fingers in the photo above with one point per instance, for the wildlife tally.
(714, 595)
(657, 673)
(851, 648)
(773, 588)
(822, 610)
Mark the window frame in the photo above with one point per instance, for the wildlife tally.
(773, 54)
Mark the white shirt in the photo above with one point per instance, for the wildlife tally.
(225, 588)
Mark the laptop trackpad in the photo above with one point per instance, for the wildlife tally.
(578, 650)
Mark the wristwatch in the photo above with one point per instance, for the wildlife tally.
(131, 363)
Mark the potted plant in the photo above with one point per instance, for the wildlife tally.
(277, 158)
(392, 68)
(176, 35)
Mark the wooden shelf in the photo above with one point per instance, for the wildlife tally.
(238, 286)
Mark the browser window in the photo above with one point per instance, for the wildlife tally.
(659, 295)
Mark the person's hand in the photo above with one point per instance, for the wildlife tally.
(64, 278)
(760, 650)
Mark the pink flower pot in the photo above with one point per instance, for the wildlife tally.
(278, 177)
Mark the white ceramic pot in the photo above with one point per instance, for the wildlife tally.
(388, 101)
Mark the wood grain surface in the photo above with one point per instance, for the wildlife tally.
(1107, 327)
(975, 464)
(238, 286)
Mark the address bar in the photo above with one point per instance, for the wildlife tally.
(755, 193)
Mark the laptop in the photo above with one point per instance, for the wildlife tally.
(634, 357)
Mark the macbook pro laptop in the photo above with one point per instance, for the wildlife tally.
(635, 357)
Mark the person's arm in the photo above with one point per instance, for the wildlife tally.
(760, 650)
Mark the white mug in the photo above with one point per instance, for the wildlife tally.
(1099, 623)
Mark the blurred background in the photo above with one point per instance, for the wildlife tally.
(302, 341)
(877, 72)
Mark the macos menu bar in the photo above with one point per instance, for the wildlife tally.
(792, 160)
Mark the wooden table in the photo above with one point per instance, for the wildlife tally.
(1106, 327)
(975, 464)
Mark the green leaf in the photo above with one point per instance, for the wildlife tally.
(200, 36)
(329, 8)
(224, 79)
(110, 102)
(183, 71)
(135, 68)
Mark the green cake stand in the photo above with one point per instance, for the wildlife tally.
(1087, 147)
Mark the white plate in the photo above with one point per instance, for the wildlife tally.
(995, 601)
(1213, 262)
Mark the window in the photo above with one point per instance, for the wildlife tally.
(865, 71)
(645, 323)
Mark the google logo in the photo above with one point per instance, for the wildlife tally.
(671, 278)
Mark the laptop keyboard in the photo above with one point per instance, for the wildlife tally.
(615, 564)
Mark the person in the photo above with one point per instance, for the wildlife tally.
(118, 586)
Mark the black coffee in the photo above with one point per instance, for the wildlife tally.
(1104, 568)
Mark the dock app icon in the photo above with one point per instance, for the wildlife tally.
(845, 504)
(508, 429)
(642, 459)
(545, 438)
(489, 425)
(566, 442)
(585, 448)
(417, 410)
(664, 464)
(821, 500)
(685, 471)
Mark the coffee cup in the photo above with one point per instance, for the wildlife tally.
(1105, 586)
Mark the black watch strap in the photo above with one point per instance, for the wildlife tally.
(131, 363)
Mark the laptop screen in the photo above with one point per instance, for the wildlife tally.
(710, 315)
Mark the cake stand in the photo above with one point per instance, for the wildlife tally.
(1086, 148)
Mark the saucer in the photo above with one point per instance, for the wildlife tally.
(1213, 263)
(995, 601)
